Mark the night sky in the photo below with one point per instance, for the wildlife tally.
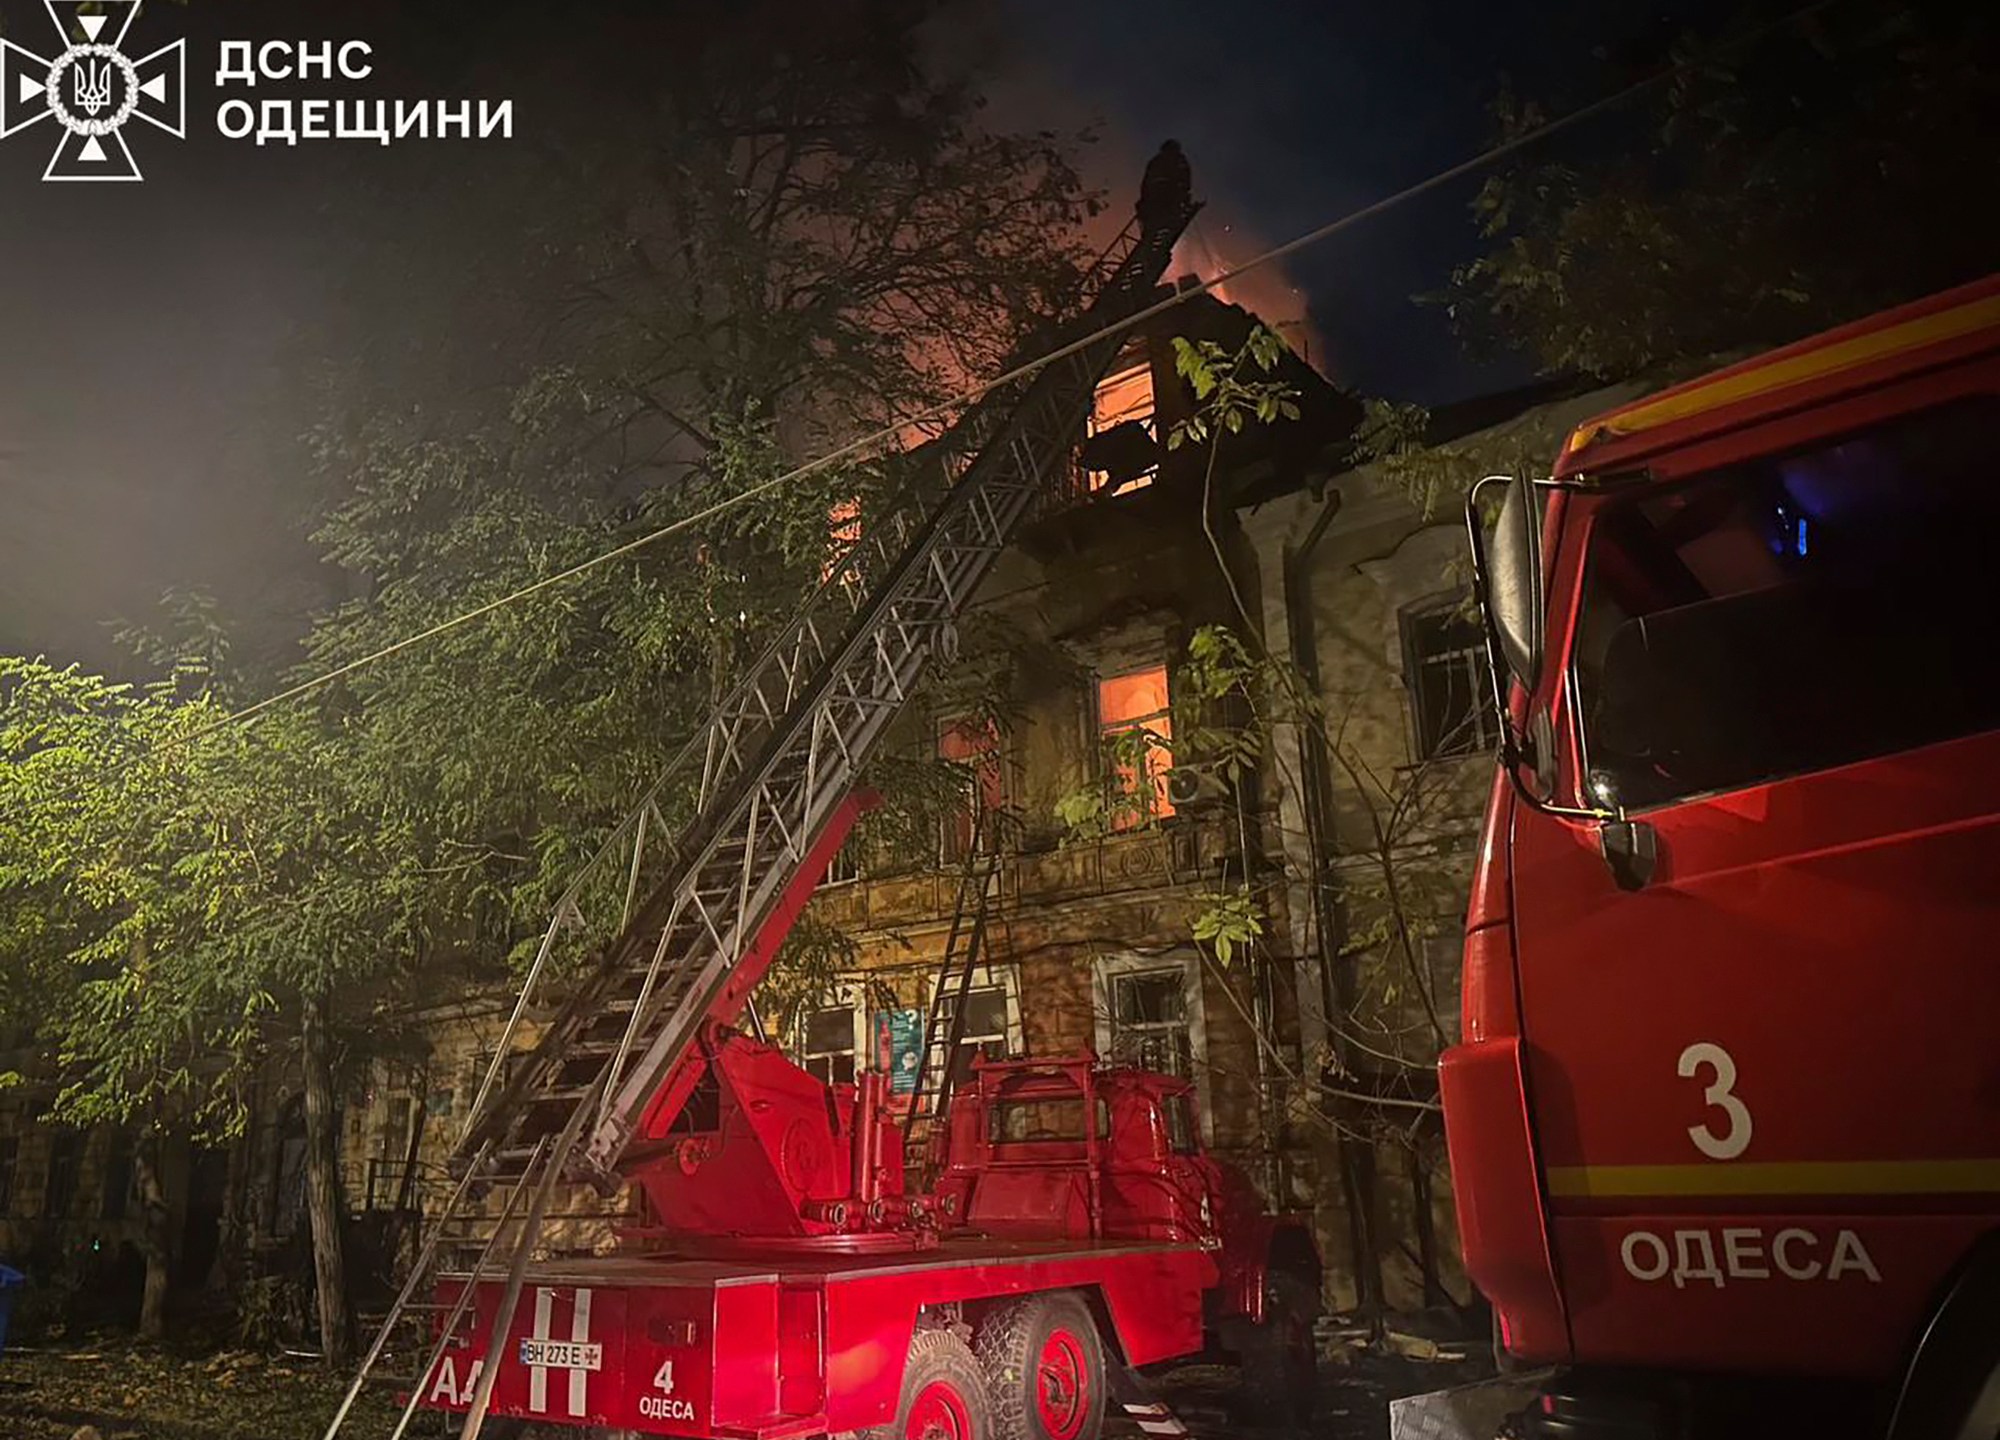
(146, 432)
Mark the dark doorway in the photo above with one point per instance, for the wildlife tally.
(201, 1236)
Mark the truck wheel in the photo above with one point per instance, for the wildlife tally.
(1045, 1363)
(1280, 1360)
(944, 1393)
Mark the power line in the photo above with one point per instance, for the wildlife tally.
(1026, 370)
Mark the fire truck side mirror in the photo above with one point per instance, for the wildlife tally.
(1511, 584)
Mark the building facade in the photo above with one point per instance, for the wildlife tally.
(1062, 764)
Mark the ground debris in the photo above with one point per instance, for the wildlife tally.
(138, 1392)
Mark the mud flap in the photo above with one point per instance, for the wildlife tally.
(1141, 1402)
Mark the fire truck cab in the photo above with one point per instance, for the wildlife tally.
(1728, 1097)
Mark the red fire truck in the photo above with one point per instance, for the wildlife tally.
(1076, 1230)
(1728, 1098)
(1057, 1225)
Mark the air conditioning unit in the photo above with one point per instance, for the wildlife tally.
(1195, 787)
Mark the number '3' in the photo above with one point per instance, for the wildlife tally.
(1721, 1094)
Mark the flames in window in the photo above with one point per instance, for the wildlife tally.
(1122, 452)
(1129, 706)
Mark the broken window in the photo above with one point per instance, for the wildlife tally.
(1149, 1021)
(1181, 1136)
(846, 862)
(1121, 452)
(975, 744)
(992, 1025)
(285, 1205)
(1137, 731)
(385, 1171)
(829, 1037)
(1450, 680)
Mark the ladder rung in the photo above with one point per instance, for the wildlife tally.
(553, 1093)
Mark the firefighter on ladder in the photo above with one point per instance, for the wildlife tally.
(1166, 190)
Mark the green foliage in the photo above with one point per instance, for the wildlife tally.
(1228, 921)
(1770, 192)
(1123, 796)
(1085, 813)
(1232, 388)
(164, 896)
(596, 344)
(815, 955)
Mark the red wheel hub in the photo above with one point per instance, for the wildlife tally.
(939, 1413)
(1062, 1385)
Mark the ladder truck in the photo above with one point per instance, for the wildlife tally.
(800, 1278)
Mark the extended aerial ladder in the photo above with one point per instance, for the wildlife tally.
(654, 948)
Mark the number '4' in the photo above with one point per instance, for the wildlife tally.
(664, 1380)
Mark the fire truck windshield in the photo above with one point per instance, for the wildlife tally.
(1793, 612)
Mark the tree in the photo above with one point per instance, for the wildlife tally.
(176, 898)
(739, 258)
(1835, 166)
(793, 246)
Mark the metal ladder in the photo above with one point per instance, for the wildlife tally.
(944, 1022)
(646, 937)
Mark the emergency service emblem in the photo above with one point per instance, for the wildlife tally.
(92, 89)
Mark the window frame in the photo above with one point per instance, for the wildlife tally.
(1004, 977)
(118, 1177)
(1108, 969)
(851, 995)
(1484, 733)
(67, 1145)
(845, 867)
(951, 850)
(1601, 492)
(1162, 807)
(1132, 360)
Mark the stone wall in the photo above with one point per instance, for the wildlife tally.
(1403, 827)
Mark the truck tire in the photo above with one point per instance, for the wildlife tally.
(1280, 1359)
(944, 1393)
(1951, 1387)
(1044, 1362)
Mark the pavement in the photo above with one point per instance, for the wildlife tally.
(1355, 1388)
(130, 1392)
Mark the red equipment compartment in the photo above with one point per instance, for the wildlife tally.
(794, 1345)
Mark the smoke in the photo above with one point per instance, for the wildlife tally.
(1082, 76)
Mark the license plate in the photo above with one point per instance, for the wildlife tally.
(563, 1354)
